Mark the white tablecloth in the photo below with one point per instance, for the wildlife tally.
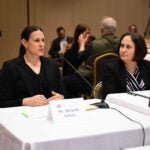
(132, 101)
(139, 148)
(102, 129)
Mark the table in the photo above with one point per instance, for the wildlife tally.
(138, 101)
(139, 148)
(102, 129)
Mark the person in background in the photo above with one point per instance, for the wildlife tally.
(59, 44)
(108, 42)
(79, 51)
(30, 79)
(130, 72)
(132, 28)
(92, 38)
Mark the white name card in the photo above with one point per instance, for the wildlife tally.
(66, 110)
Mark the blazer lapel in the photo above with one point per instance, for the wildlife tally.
(122, 75)
(145, 74)
(47, 73)
(21, 68)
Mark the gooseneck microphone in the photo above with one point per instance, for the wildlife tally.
(101, 104)
(137, 94)
(85, 80)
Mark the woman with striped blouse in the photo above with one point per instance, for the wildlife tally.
(130, 72)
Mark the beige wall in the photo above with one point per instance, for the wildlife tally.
(12, 20)
(51, 13)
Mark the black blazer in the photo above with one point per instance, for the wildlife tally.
(114, 76)
(75, 58)
(55, 47)
(15, 84)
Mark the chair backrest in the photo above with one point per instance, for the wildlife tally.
(97, 77)
(97, 93)
(99, 63)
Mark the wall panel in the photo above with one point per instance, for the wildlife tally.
(13, 20)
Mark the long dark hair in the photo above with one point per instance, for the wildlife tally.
(80, 28)
(26, 35)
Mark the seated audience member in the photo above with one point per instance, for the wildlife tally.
(130, 72)
(108, 41)
(80, 50)
(132, 28)
(58, 46)
(92, 38)
(30, 79)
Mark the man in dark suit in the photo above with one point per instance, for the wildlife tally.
(58, 44)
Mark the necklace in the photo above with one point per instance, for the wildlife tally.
(36, 66)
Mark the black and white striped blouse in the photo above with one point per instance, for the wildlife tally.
(134, 81)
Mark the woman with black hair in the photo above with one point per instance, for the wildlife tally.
(130, 72)
(79, 51)
(30, 79)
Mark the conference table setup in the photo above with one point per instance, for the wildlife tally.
(75, 124)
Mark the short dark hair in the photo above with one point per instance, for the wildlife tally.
(59, 29)
(26, 35)
(140, 45)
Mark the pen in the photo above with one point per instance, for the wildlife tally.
(25, 115)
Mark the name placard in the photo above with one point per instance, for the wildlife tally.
(66, 110)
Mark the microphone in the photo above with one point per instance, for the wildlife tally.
(136, 94)
(101, 104)
(86, 81)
